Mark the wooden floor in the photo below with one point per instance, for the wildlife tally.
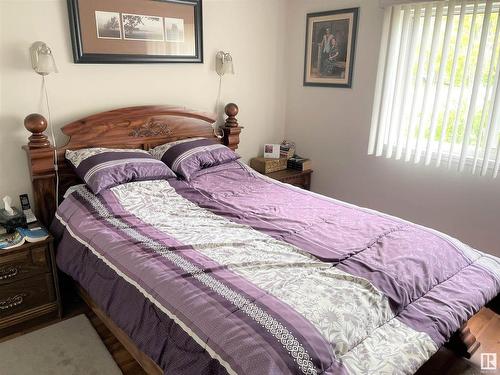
(485, 326)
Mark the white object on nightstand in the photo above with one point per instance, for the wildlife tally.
(7, 202)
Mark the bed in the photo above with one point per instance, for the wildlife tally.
(231, 272)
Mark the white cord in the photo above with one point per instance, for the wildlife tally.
(218, 96)
(217, 106)
(42, 95)
(52, 136)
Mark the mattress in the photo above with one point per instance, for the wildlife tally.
(236, 273)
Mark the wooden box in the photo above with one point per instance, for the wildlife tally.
(265, 165)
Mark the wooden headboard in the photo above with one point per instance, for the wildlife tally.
(141, 127)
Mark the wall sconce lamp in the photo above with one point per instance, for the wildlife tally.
(42, 59)
(43, 63)
(224, 63)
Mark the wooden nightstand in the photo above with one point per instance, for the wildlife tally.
(28, 284)
(294, 177)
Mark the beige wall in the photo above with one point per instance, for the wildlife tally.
(250, 29)
(331, 125)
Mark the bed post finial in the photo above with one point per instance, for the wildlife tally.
(231, 127)
(36, 124)
(231, 110)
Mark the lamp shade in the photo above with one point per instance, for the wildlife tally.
(224, 63)
(46, 64)
(42, 59)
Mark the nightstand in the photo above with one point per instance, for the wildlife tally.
(28, 284)
(294, 177)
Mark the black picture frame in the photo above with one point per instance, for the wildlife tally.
(80, 57)
(350, 51)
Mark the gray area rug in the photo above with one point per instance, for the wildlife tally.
(71, 347)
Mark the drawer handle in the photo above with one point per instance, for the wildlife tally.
(12, 302)
(8, 272)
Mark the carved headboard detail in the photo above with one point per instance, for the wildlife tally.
(133, 127)
(154, 128)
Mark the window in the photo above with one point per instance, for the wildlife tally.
(437, 98)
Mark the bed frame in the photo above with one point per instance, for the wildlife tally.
(136, 127)
(141, 127)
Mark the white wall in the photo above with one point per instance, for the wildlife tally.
(331, 125)
(249, 29)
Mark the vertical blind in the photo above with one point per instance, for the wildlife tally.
(437, 96)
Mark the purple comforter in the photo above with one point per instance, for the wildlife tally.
(236, 273)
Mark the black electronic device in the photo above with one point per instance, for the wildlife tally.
(26, 207)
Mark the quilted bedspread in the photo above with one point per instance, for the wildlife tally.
(236, 273)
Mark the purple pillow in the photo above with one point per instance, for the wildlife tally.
(189, 156)
(103, 168)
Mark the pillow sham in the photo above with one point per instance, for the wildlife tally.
(188, 156)
(103, 168)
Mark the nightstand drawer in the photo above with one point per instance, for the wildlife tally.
(19, 265)
(294, 177)
(25, 294)
(296, 180)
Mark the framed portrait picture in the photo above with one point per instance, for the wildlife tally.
(136, 31)
(272, 151)
(330, 48)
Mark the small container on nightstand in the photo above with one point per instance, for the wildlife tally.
(294, 177)
(28, 284)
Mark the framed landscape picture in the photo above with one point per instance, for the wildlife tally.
(330, 48)
(136, 31)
